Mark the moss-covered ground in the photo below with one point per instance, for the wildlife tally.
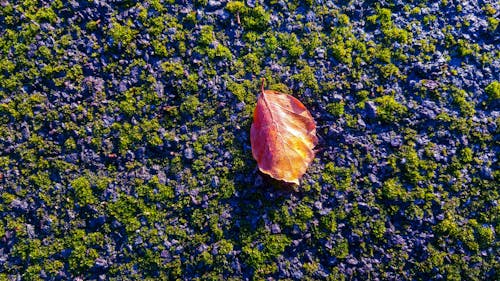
(125, 152)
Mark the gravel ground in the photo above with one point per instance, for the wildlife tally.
(125, 151)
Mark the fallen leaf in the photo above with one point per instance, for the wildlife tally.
(283, 135)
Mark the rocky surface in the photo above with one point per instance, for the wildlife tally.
(125, 152)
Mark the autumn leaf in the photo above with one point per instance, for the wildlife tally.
(283, 135)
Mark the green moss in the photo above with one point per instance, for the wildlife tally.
(311, 267)
(466, 108)
(252, 63)
(225, 247)
(255, 18)
(486, 236)
(413, 168)
(389, 110)
(493, 90)
(429, 19)
(52, 267)
(83, 191)
(489, 9)
(160, 192)
(304, 213)
(311, 43)
(341, 249)
(448, 227)
(220, 52)
(378, 229)
(190, 105)
(125, 210)
(466, 155)
(271, 42)
(291, 43)
(236, 7)
(383, 54)
(206, 258)
(338, 177)
(362, 95)
(280, 87)
(342, 53)
(307, 77)
(465, 48)
(32, 273)
(416, 11)
(206, 35)
(329, 222)
(467, 236)
(343, 19)
(389, 71)
(392, 190)
(396, 34)
(336, 275)
(92, 25)
(243, 92)
(159, 48)
(82, 258)
(272, 246)
(384, 16)
(46, 14)
(493, 23)
(336, 108)
(123, 34)
(435, 259)
(251, 37)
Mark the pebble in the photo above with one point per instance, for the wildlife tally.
(275, 229)
(188, 153)
(370, 110)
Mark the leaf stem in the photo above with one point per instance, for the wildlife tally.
(262, 85)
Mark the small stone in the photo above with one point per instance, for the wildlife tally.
(213, 4)
(25, 131)
(361, 123)
(66, 253)
(240, 106)
(258, 181)
(318, 205)
(30, 230)
(162, 177)
(352, 261)
(122, 87)
(222, 14)
(275, 229)
(251, 3)
(188, 153)
(96, 222)
(18, 204)
(141, 152)
(370, 109)
(166, 255)
(215, 181)
(100, 262)
(486, 172)
(396, 142)
(372, 178)
(129, 155)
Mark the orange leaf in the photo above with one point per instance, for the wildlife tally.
(283, 136)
